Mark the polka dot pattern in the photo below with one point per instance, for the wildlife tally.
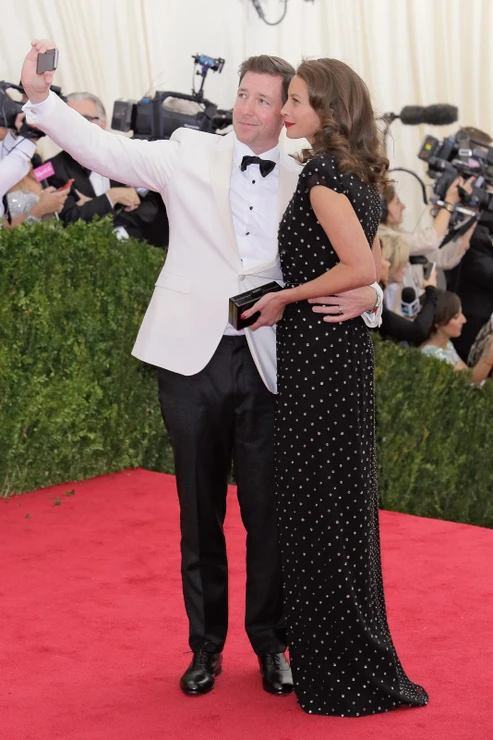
(343, 659)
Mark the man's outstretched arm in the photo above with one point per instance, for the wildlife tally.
(132, 161)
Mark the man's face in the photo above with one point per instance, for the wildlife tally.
(257, 117)
(88, 109)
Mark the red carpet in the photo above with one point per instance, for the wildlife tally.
(93, 634)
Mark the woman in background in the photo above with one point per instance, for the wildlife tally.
(395, 260)
(447, 325)
(28, 201)
(424, 243)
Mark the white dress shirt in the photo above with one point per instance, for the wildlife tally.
(254, 209)
(100, 185)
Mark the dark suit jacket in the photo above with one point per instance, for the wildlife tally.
(474, 285)
(148, 221)
(475, 282)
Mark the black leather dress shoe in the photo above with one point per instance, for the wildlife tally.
(200, 674)
(276, 673)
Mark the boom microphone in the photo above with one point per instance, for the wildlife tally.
(440, 114)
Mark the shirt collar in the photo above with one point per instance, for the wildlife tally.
(241, 150)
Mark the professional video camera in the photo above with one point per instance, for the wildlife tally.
(460, 156)
(10, 109)
(157, 117)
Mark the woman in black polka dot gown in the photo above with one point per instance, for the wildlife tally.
(342, 656)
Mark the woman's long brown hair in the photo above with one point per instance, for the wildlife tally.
(348, 126)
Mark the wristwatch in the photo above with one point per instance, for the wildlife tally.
(448, 207)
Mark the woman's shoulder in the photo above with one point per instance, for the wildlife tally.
(321, 163)
(447, 355)
(322, 169)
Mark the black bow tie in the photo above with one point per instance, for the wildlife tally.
(266, 165)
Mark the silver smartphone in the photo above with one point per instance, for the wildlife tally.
(47, 62)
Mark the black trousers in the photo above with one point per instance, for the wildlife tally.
(225, 414)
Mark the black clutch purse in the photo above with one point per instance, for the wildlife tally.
(244, 301)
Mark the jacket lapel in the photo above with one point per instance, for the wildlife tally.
(221, 165)
(289, 171)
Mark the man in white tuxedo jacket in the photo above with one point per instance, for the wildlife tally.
(216, 385)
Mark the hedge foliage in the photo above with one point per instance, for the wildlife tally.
(434, 438)
(75, 404)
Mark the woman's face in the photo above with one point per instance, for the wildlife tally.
(300, 119)
(395, 211)
(454, 326)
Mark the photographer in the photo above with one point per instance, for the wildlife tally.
(15, 159)
(91, 194)
(475, 286)
(425, 243)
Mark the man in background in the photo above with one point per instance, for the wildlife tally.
(92, 194)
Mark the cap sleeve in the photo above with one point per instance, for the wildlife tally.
(323, 171)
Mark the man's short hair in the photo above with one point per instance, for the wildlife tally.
(267, 65)
(93, 98)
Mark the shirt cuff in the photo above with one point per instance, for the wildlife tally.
(20, 144)
(121, 232)
(36, 111)
(373, 319)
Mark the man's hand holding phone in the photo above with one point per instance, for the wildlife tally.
(36, 85)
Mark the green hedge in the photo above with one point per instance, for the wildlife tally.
(434, 438)
(74, 403)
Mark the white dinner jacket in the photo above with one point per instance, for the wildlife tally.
(188, 311)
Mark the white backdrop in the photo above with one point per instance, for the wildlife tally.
(409, 52)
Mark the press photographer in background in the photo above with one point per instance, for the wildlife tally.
(469, 155)
(413, 323)
(424, 243)
(92, 195)
(474, 286)
(17, 144)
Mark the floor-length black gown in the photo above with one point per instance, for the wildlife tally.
(343, 659)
